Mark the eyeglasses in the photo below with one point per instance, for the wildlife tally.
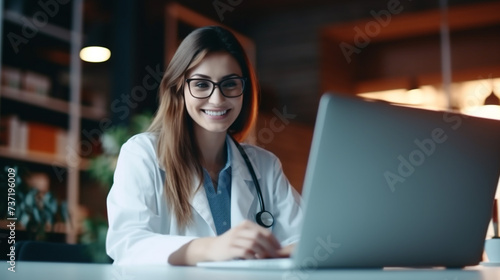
(203, 88)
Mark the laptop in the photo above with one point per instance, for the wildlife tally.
(393, 186)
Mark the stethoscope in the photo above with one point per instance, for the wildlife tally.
(263, 218)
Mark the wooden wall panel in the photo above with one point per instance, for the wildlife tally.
(290, 141)
(409, 48)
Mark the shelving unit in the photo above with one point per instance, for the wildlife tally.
(69, 105)
(40, 158)
(48, 29)
(50, 103)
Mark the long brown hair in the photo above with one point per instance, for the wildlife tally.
(177, 151)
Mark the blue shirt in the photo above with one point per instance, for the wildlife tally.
(220, 201)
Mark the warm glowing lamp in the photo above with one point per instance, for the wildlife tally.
(414, 94)
(95, 47)
(490, 109)
(95, 54)
(492, 99)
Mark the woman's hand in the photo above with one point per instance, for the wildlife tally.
(248, 240)
(286, 251)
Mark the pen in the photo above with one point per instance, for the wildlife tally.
(495, 219)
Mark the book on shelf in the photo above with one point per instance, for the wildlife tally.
(29, 81)
(24, 136)
(36, 83)
(61, 142)
(11, 77)
(10, 132)
(42, 137)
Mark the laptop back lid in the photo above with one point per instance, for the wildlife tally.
(396, 186)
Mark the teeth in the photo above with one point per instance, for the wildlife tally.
(215, 113)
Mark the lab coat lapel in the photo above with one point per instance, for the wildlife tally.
(244, 201)
(243, 194)
(200, 204)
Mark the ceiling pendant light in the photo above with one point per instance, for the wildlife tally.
(95, 54)
(95, 44)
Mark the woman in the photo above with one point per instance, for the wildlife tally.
(182, 191)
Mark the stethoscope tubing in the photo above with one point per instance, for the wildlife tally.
(256, 183)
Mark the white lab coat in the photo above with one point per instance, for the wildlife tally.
(142, 229)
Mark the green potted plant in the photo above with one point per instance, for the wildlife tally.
(36, 208)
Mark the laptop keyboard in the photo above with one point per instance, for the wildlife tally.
(280, 263)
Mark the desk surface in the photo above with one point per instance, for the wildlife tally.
(74, 271)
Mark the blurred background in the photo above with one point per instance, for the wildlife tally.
(64, 114)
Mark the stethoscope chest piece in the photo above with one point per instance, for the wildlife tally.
(265, 219)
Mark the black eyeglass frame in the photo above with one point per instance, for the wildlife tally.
(214, 84)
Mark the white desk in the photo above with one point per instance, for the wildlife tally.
(73, 271)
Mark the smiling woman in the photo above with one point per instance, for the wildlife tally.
(186, 191)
